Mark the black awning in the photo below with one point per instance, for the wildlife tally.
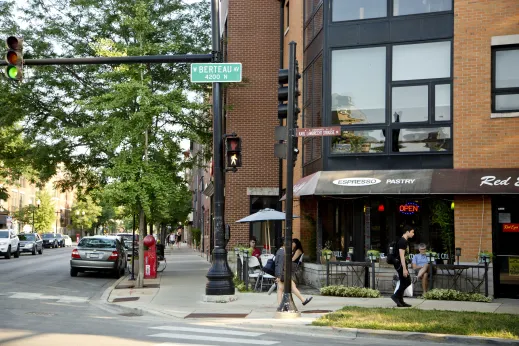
(410, 182)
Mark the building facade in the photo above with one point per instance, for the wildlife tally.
(426, 94)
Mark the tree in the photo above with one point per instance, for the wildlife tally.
(43, 215)
(85, 212)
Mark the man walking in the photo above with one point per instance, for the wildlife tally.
(401, 267)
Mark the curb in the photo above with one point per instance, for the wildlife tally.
(114, 307)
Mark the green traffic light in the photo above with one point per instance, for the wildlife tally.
(12, 72)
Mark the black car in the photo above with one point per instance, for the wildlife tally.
(50, 240)
(31, 242)
(61, 240)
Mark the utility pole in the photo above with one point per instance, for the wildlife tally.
(219, 275)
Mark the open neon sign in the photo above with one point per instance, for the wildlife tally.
(409, 208)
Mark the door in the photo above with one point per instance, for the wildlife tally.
(506, 247)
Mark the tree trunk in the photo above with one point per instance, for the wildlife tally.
(142, 230)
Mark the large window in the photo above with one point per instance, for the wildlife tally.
(403, 7)
(359, 86)
(505, 80)
(358, 9)
(419, 89)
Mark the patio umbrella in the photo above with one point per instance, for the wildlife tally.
(265, 215)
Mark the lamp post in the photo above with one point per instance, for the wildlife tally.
(458, 254)
(77, 215)
(38, 202)
(327, 255)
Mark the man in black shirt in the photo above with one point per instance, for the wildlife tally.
(401, 267)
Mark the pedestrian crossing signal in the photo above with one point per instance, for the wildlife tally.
(233, 152)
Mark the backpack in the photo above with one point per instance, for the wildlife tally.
(392, 257)
(270, 267)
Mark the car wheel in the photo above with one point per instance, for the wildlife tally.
(117, 273)
(41, 250)
(8, 254)
(73, 272)
(17, 253)
(34, 250)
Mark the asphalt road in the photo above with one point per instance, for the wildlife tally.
(40, 304)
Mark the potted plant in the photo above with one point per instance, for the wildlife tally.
(431, 256)
(327, 253)
(484, 256)
(373, 255)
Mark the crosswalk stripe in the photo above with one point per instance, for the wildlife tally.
(213, 338)
(208, 331)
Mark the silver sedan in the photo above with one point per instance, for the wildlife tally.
(99, 253)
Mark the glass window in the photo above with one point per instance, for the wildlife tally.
(410, 104)
(422, 61)
(359, 141)
(422, 139)
(359, 86)
(403, 7)
(507, 73)
(358, 9)
(507, 102)
(442, 102)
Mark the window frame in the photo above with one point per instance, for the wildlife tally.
(501, 91)
(389, 126)
(390, 10)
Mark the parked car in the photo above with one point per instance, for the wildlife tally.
(99, 253)
(50, 240)
(31, 242)
(61, 240)
(68, 240)
(9, 244)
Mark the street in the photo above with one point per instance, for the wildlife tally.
(41, 304)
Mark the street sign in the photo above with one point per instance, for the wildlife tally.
(318, 131)
(217, 72)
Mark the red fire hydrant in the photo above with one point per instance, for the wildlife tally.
(150, 258)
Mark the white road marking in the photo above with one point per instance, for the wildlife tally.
(213, 338)
(208, 331)
(40, 296)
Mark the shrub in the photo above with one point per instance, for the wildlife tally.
(343, 291)
(444, 294)
(240, 285)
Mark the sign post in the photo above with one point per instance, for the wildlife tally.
(216, 72)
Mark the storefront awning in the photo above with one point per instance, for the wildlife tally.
(410, 182)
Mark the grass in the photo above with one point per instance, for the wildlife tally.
(493, 325)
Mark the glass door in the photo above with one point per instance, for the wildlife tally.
(506, 247)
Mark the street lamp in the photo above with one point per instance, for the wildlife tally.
(458, 254)
(83, 214)
(58, 218)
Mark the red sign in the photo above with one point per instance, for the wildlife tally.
(511, 227)
(318, 131)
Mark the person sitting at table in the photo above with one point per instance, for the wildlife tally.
(420, 265)
(255, 251)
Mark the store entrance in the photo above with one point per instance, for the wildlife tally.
(506, 246)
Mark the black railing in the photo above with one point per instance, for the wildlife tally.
(464, 278)
(353, 274)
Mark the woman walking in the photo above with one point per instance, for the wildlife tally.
(179, 238)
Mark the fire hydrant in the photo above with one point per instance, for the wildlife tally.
(150, 258)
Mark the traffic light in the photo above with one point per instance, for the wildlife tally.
(14, 58)
(297, 110)
(232, 152)
(283, 93)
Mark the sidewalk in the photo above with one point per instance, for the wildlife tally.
(179, 290)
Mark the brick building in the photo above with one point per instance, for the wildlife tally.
(427, 97)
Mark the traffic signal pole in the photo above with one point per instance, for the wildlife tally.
(219, 276)
(287, 303)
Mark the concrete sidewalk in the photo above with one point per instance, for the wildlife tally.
(179, 291)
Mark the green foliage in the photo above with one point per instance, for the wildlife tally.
(495, 325)
(85, 212)
(44, 215)
(344, 291)
(374, 253)
(443, 216)
(196, 234)
(447, 294)
(240, 285)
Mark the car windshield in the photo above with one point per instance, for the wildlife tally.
(58, 235)
(66, 237)
(97, 243)
(48, 236)
(26, 237)
(4, 234)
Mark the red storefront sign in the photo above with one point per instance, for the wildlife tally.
(511, 227)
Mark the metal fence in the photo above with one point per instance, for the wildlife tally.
(464, 278)
(354, 274)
